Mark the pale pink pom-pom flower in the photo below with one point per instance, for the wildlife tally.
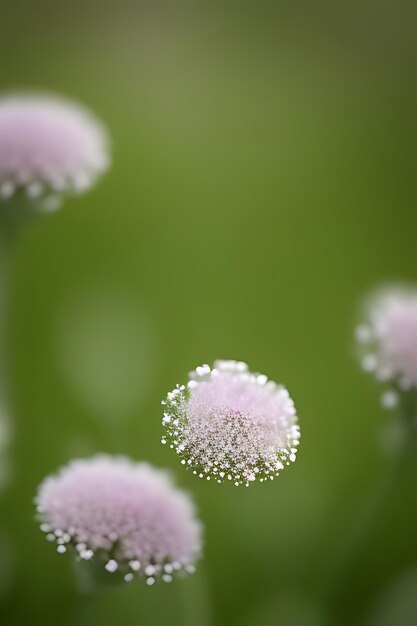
(48, 146)
(388, 340)
(230, 424)
(127, 515)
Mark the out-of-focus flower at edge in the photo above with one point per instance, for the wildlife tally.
(49, 147)
(126, 517)
(387, 338)
(229, 424)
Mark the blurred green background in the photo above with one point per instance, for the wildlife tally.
(263, 180)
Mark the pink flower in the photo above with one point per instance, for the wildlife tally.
(127, 514)
(388, 339)
(48, 146)
(230, 424)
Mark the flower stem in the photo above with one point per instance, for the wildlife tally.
(15, 215)
(195, 599)
(347, 559)
(183, 602)
(6, 254)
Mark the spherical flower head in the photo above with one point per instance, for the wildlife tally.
(126, 515)
(48, 147)
(230, 424)
(388, 339)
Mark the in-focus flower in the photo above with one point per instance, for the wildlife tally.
(388, 341)
(127, 515)
(48, 147)
(230, 424)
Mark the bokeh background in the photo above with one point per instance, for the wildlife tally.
(263, 181)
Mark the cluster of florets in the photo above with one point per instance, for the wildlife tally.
(388, 341)
(48, 147)
(228, 424)
(127, 515)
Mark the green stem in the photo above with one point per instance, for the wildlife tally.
(15, 214)
(183, 601)
(355, 544)
(6, 254)
(195, 599)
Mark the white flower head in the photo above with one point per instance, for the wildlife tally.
(387, 338)
(126, 516)
(228, 424)
(48, 147)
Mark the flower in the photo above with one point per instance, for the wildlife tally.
(230, 424)
(388, 340)
(127, 515)
(48, 146)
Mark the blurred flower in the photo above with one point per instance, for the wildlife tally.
(230, 424)
(48, 146)
(126, 514)
(388, 340)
